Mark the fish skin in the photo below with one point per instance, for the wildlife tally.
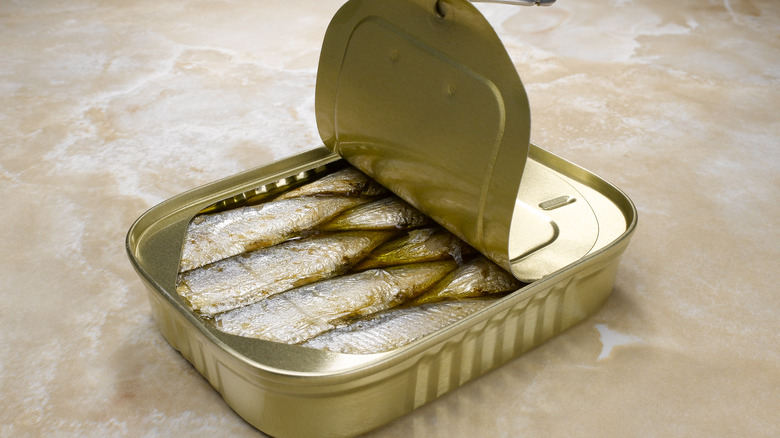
(478, 278)
(386, 213)
(345, 182)
(395, 327)
(247, 278)
(422, 245)
(299, 314)
(221, 235)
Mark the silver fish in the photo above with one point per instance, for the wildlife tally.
(478, 278)
(421, 245)
(396, 327)
(299, 314)
(251, 277)
(387, 213)
(217, 236)
(346, 182)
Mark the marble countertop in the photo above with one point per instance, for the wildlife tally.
(107, 108)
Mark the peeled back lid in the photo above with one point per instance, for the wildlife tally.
(422, 96)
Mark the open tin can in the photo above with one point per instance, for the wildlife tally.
(421, 96)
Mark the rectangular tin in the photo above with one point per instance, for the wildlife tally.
(292, 391)
(287, 391)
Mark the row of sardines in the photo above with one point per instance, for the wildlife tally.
(338, 264)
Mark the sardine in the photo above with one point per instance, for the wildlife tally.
(247, 278)
(220, 235)
(396, 327)
(387, 213)
(346, 182)
(299, 314)
(478, 278)
(421, 245)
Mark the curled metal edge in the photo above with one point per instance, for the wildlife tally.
(518, 2)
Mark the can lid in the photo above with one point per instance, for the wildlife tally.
(422, 96)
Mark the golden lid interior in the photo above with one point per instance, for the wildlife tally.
(422, 96)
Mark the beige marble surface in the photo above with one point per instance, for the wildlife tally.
(107, 108)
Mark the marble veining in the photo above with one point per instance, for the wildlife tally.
(109, 108)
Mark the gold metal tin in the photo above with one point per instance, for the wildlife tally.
(571, 253)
